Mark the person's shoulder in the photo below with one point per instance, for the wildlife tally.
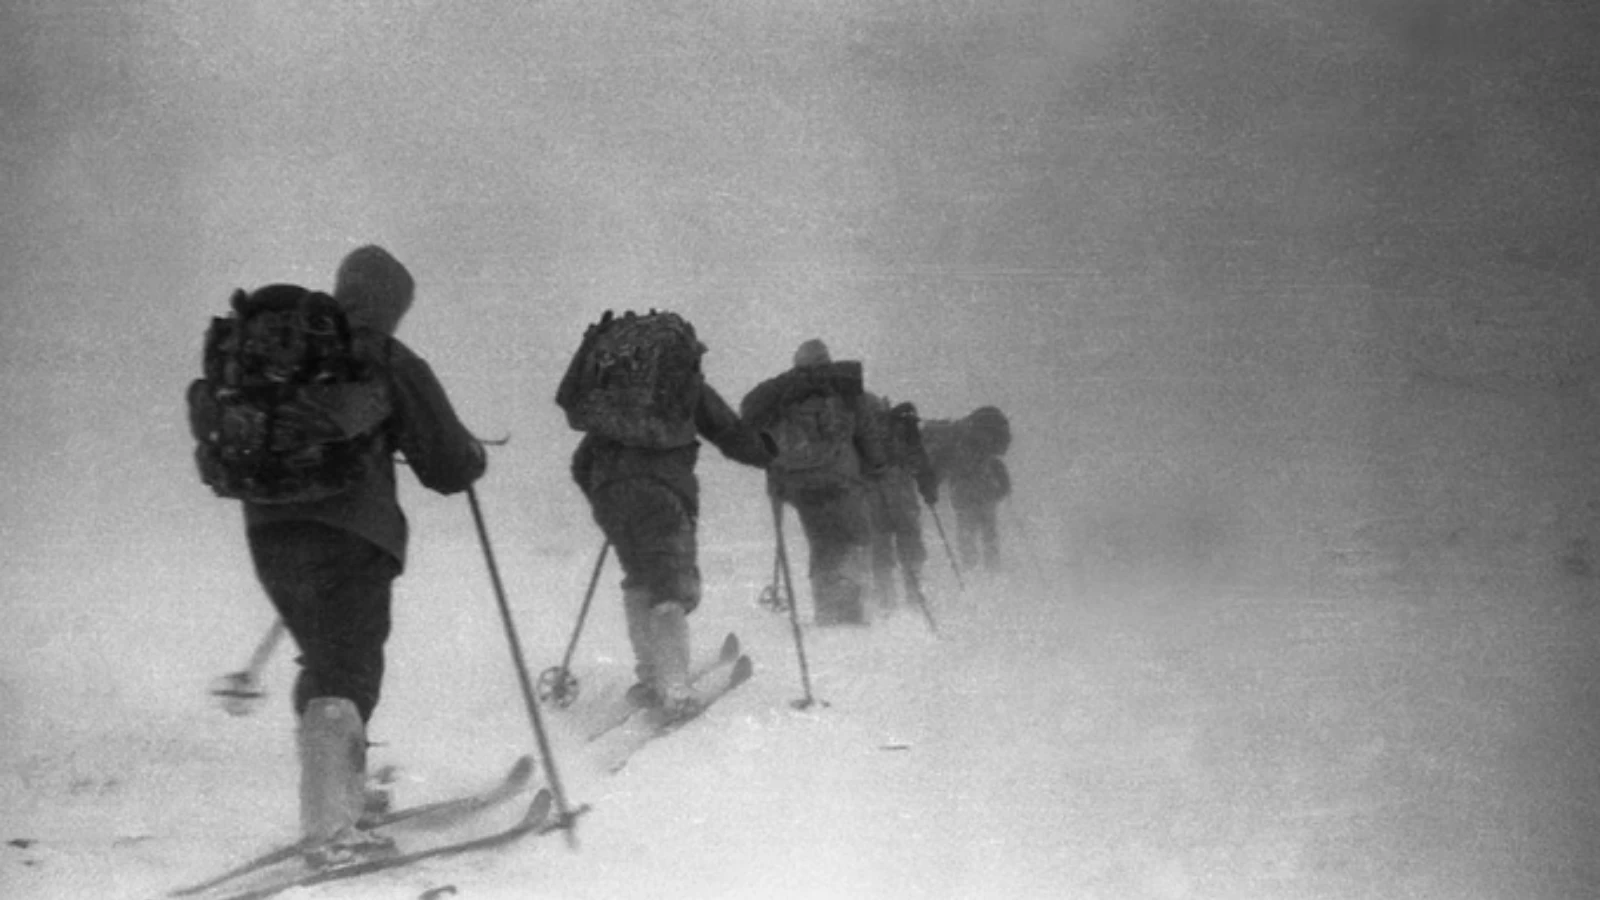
(385, 350)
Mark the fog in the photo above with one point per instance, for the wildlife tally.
(1265, 286)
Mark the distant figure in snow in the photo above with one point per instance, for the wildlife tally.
(325, 528)
(967, 454)
(896, 514)
(635, 388)
(824, 445)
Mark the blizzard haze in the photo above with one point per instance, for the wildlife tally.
(1293, 308)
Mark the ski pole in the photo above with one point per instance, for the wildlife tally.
(794, 613)
(949, 554)
(557, 684)
(772, 595)
(922, 602)
(241, 691)
(567, 817)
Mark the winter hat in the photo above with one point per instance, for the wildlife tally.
(374, 289)
(812, 353)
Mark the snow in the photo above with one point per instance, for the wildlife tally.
(1081, 726)
(1292, 308)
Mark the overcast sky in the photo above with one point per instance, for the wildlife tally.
(1123, 220)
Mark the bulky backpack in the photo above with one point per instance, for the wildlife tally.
(989, 431)
(635, 380)
(286, 411)
(813, 436)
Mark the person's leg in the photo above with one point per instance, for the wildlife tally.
(333, 592)
(837, 554)
(912, 551)
(989, 532)
(654, 537)
(967, 536)
(883, 542)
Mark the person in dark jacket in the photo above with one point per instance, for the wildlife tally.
(896, 515)
(823, 473)
(646, 501)
(328, 565)
(968, 454)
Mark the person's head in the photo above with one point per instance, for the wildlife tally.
(812, 353)
(373, 289)
(991, 428)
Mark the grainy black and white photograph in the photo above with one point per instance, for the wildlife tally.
(1093, 449)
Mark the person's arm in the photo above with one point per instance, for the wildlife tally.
(442, 453)
(718, 423)
(759, 408)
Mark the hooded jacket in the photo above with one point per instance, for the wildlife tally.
(904, 451)
(375, 291)
(816, 373)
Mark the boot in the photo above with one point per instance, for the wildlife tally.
(636, 608)
(333, 760)
(669, 658)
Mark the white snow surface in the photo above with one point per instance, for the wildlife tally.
(1162, 712)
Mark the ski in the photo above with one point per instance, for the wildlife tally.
(537, 820)
(439, 812)
(726, 656)
(653, 724)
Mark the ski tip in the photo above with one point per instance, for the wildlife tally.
(730, 647)
(539, 807)
(742, 670)
(522, 769)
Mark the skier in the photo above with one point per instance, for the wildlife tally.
(636, 389)
(328, 564)
(967, 454)
(824, 446)
(896, 516)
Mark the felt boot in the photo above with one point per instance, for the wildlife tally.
(333, 760)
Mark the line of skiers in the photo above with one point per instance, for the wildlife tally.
(306, 398)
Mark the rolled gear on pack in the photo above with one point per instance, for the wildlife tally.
(636, 380)
(989, 431)
(287, 411)
(806, 421)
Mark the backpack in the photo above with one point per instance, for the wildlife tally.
(286, 411)
(635, 380)
(989, 431)
(813, 434)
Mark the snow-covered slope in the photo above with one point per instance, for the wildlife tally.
(1400, 710)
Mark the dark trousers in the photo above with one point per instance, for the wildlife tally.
(977, 536)
(653, 534)
(896, 526)
(332, 590)
(838, 528)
